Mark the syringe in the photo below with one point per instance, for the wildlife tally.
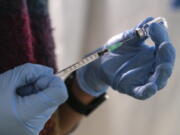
(140, 32)
(144, 31)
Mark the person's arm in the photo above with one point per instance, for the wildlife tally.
(69, 118)
(26, 115)
(136, 69)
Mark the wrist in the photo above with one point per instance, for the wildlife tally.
(89, 81)
(79, 100)
(82, 96)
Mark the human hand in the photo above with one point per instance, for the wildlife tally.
(175, 4)
(27, 115)
(135, 68)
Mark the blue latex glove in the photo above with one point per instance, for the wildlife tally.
(135, 69)
(176, 4)
(27, 115)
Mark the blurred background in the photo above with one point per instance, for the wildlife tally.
(81, 26)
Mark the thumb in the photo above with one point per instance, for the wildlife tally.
(51, 97)
(29, 73)
(158, 33)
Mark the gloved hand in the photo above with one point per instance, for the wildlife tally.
(176, 4)
(135, 68)
(27, 115)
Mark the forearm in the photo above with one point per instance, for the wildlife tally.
(69, 118)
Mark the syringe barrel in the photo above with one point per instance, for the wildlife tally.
(144, 31)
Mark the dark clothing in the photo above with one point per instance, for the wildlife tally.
(26, 36)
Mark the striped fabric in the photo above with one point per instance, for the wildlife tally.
(25, 36)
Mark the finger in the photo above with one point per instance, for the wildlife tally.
(145, 91)
(142, 58)
(135, 77)
(34, 87)
(48, 81)
(134, 83)
(148, 19)
(29, 73)
(158, 33)
(164, 64)
(54, 95)
(26, 90)
(161, 75)
(43, 82)
(165, 54)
